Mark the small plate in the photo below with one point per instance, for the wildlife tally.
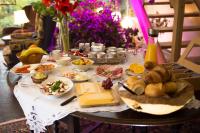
(67, 81)
(77, 76)
(130, 73)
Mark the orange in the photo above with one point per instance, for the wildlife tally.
(133, 66)
(137, 68)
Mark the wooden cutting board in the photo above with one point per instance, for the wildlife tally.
(91, 94)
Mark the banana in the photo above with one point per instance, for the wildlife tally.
(32, 50)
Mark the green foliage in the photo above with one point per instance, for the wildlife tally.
(42, 9)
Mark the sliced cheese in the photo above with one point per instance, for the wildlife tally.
(96, 99)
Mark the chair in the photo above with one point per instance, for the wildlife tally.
(38, 31)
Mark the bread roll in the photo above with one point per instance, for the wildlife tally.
(170, 87)
(154, 90)
(138, 87)
(149, 65)
(153, 77)
(163, 73)
(131, 80)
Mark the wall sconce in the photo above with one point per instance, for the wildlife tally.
(20, 17)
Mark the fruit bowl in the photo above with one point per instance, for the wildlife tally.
(30, 59)
(83, 64)
(32, 55)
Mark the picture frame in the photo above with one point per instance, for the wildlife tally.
(7, 2)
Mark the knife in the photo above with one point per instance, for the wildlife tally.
(68, 100)
(125, 87)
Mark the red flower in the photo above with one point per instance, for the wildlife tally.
(46, 2)
(65, 6)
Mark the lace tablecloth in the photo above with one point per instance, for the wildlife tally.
(41, 110)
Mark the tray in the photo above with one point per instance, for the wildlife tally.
(116, 60)
(160, 105)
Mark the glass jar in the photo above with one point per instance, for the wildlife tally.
(151, 54)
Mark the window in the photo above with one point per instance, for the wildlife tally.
(6, 12)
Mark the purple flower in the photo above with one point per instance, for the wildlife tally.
(88, 25)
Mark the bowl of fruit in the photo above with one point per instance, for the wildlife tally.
(32, 55)
(83, 64)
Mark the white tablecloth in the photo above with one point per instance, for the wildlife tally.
(41, 110)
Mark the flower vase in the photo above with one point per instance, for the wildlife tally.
(64, 35)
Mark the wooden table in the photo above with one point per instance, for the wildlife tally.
(127, 117)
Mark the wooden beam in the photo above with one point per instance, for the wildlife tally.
(166, 2)
(179, 6)
(166, 45)
(190, 14)
(157, 3)
(171, 3)
(185, 28)
(197, 2)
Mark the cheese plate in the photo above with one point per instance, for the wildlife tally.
(92, 94)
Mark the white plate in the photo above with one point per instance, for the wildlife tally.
(154, 109)
(56, 78)
(31, 68)
(47, 63)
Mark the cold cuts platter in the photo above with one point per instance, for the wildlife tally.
(109, 71)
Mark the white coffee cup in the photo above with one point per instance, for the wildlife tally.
(101, 55)
(92, 54)
(111, 55)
